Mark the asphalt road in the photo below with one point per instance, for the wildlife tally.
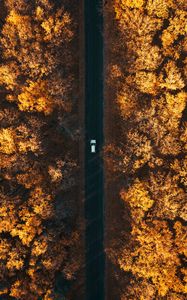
(94, 191)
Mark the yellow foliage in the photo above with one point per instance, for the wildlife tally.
(10, 142)
(30, 179)
(30, 227)
(138, 198)
(159, 8)
(29, 145)
(115, 72)
(155, 257)
(18, 290)
(41, 203)
(8, 218)
(176, 104)
(56, 24)
(7, 142)
(48, 295)
(181, 238)
(48, 263)
(180, 167)
(55, 173)
(33, 76)
(147, 82)
(148, 76)
(177, 26)
(21, 23)
(5, 247)
(135, 24)
(184, 272)
(8, 75)
(35, 97)
(174, 79)
(127, 102)
(14, 260)
(141, 146)
(167, 38)
(149, 57)
(39, 247)
(14, 18)
(183, 137)
(39, 13)
(123, 4)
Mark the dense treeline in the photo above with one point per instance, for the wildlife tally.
(147, 73)
(39, 223)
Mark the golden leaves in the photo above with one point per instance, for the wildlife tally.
(8, 75)
(33, 76)
(39, 246)
(177, 26)
(11, 142)
(15, 260)
(39, 13)
(7, 142)
(176, 104)
(22, 25)
(27, 231)
(147, 82)
(29, 42)
(127, 101)
(138, 198)
(5, 247)
(41, 203)
(173, 79)
(135, 24)
(57, 25)
(181, 238)
(154, 257)
(35, 97)
(19, 290)
(149, 57)
(159, 8)
(149, 48)
(140, 146)
(55, 173)
(129, 3)
(8, 218)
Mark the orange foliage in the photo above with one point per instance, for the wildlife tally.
(147, 84)
(38, 234)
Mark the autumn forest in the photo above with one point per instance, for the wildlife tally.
(42, 222)
(147, 72)
(39, 223)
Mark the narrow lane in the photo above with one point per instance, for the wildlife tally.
(94, 197)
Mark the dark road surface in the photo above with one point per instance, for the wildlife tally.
(94, 199)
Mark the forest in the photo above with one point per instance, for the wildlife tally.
(146, 153)
(40, 226)
(42, 221)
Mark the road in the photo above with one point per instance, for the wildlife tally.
(94, 191)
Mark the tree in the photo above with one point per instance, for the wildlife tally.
(152, 255)
(7, 144)
(160, 8)
(146, 161)
(25, 73)
(35, 97)
(138, 198)
(37, 163)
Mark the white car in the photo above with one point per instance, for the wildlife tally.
(93, 146)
